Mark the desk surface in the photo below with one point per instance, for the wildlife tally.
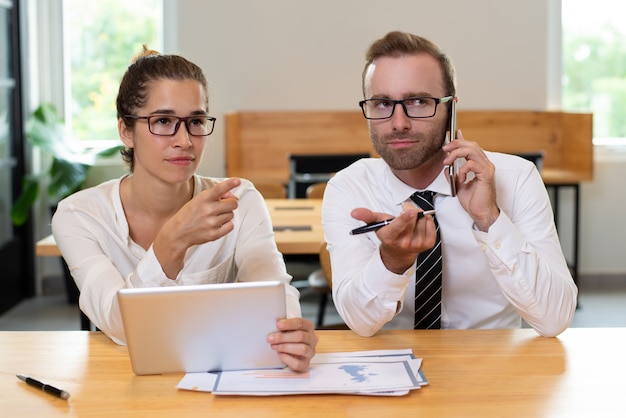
(299, 213)
(288, 216)
(472, 373)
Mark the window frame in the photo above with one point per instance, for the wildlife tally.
(45, 43)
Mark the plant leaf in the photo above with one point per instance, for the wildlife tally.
(109, 152)
(44, 129)
(21, 208)
(68, 170)
(66, 178)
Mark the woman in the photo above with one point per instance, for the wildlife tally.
(164, 225)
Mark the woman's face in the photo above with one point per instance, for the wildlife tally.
(171, 159)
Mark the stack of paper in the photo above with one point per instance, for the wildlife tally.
(379, 373)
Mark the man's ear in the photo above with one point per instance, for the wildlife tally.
(126, 134)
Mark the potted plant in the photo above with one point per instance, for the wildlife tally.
(67, 169)
(66, 172)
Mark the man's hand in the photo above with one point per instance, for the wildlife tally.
(478, 195)
(404, 238)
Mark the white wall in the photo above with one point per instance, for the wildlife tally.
(602, 228)
(296, 54)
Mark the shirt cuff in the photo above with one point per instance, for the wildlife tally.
(502, 242)
(150, 273)
(384, 284)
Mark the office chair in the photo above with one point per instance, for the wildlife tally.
(271, 190)
(316, 190)
(320, 281)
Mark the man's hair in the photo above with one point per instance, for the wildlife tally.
(397, 44)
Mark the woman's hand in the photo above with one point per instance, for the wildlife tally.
(295, 342)
(207, 217)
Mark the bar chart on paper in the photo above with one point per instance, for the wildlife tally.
(389, 373)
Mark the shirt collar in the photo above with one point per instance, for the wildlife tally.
(401, 191)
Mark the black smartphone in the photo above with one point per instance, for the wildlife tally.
(451, 136)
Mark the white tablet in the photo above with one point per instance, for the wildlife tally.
(201, 328)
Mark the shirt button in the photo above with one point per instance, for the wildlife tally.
(497, 245)
(483, 247)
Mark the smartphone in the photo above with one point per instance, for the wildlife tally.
(451, 136)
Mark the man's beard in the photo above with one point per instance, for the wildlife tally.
(425, 147)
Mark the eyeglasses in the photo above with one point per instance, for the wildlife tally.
(167, 125)
(414, 107)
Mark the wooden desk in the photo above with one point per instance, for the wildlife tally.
(47, 247)
(306, 213)
(472, 373)
(284, 213)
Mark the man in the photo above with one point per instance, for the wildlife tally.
(502, 260)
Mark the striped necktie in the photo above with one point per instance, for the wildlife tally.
(428, 275)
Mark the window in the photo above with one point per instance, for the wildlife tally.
(100, 39)
(594, 65)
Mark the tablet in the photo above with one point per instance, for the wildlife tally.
(199, 328)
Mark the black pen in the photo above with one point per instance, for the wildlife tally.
(377, 225)
(59, 393)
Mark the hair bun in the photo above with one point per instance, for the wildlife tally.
(145, 52)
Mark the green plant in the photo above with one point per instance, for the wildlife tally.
(67, 169)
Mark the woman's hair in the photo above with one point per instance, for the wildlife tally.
(397, 44)
(146, 67)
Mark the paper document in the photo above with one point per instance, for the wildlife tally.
(380, 373)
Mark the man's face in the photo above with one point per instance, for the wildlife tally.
(406, 143)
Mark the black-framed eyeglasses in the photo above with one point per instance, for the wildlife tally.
(167, 125)
(414, 107)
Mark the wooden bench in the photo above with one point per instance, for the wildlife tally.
(258, 143)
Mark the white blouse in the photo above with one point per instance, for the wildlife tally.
(92, 233)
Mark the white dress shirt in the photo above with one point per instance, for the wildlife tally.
(92, 233)
(490, 279)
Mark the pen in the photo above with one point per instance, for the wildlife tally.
(377, 225)
(59, 393)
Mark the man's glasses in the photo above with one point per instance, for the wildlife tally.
(414, 107)
(167, 125)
